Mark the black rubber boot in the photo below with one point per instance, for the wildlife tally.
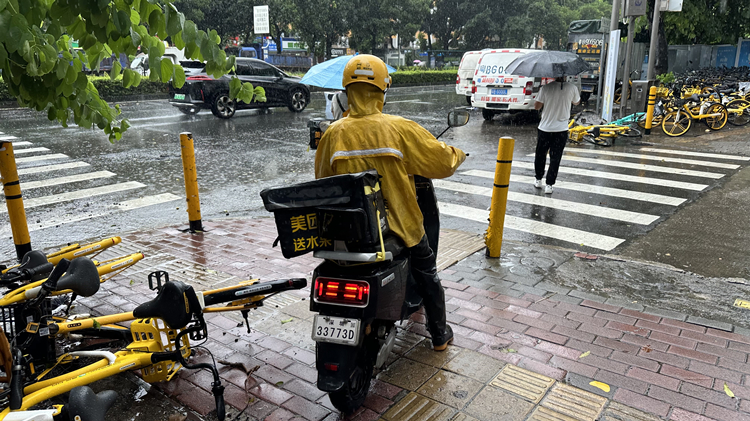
(424, 271)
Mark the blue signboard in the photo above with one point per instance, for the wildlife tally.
(744, 53)
(725, 55)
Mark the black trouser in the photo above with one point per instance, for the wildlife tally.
(424, 271)
(554, 142)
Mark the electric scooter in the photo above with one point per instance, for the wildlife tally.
(363, 288)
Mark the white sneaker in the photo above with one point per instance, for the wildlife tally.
(548, 189)
(538, 184)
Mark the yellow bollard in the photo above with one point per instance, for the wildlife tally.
(14, 200)
(650, 108)
(493, 238)
(191, 182)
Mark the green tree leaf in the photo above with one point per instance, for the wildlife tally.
(179, 77)
(127, 78)
(115, 71)
(234, 87)
(167, 70)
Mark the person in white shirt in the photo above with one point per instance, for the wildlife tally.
(555, 100)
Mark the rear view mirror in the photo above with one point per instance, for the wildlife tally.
(458, 118)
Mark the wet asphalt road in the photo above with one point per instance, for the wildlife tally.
(239, 157)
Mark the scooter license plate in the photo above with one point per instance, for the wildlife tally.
(336, 329)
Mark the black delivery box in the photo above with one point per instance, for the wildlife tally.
(310, 216)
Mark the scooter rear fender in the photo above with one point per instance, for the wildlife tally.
(344, 356)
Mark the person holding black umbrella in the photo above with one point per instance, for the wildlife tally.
(555, 100)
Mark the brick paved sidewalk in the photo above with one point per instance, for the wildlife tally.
(506, 321)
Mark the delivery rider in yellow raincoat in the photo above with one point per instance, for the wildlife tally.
(398, 149)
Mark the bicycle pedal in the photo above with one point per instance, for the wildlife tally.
(157, 276)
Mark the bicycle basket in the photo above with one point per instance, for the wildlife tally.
(153, 335)
(576, 135)
(15, 318)
(662, 92)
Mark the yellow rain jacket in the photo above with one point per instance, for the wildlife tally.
(396, 147)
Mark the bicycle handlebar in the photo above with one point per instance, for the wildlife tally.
(261, 288)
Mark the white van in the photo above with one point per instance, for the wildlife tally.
(140, 63)
(495, 91)
(466, 73)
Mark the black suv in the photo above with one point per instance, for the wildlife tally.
(203, 91)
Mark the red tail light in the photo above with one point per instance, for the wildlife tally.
(331, 366)
(458, 79)
(527, 90)
(198, 78)
(342, 291)
(473, 87)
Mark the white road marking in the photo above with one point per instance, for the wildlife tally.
(641, 167)
(41, 158)
(577, 237)
(17, 144)
(64, 180)
(590, 188)
(657, 158)
(619, 177)
(565, 205)
(701, 154)
(78, 194)
(56, 167)
(122, 206)
(7, 137)
(28, 150)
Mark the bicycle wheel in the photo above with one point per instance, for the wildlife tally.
(631, 131)
(672, 126)
(739, 112)
(718, 121)
(655, 121)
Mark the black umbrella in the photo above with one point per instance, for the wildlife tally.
(547, 64)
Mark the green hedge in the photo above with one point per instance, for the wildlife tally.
(108, 89)
(419, 77)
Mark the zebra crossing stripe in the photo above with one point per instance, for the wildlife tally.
(7, 137)
(659, 158)
(28, 150)
(122, 206)
(548, 202)
(619, 177)
(17, 144)
(641, 167)
(78, 194)
(701, 154)
(571, 235)
(64, 180)
(41, 158)
(48, 168)
(588, 188)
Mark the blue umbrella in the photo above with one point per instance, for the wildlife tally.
(329, 74)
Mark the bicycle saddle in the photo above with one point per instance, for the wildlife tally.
(175, 304)
(34, 266)
(85, 405)
(82, 278)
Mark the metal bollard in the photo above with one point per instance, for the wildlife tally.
(14, 200)
(191, 182)
(650, 108)
(493, 238)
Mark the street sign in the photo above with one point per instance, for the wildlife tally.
(260, 20)
(610, 76)
(671, 6)
(635, 7)
(604, 27)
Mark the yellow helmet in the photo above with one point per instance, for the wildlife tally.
(366, 68)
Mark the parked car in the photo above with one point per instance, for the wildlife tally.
(203, 91)
(465, 73)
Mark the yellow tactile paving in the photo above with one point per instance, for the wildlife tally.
(527, 384)
(567, 403)
(415, 407)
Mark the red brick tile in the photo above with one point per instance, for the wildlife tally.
(548, 308)
(692, 354)
(641, 402)
(464, 342)
(683, 325)
(384, 389)
(682, 415)
(719, 397)
(507, 325)
(519, 339)
(453, 285)
(463, 295)
(532, 321)
(714, 371)
(728, 335)
(600, 331)
(508, 357)
(573, 366)
(745, 405)
(480, 326)
(364, 415)
(541, 368)
(198, 400)
(472, 314)
(532, 297)
(573, 333)
(307, 373)
(235, 397)
(617, 345)
(586, 319)
(280, 415)
(561, 321)
(665, 358)
(604, 364)
(524, 311)
(489, 302)
(640, 315)
(601, 306)
(490, 340)
(738, 346)
(722, 352)
(654, 378)
(494, 312)
(615, 317)
(275, 359)
(534, 354)
(635, 330)
(271, 393)
(555, 349)
(702, 337)
(274, 344)
(377, 403)
(723, 414)
(676, 399)
(635, 360)
(644, 342)
(547, 336)
(311, 411)
(685, 375)
(658, 327)
(734, 365)
(464, 304)
(673, 340)
(594, 349)
(512, 300)
(483, 292)
(587, 311)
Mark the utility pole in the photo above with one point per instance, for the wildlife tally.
(626, 72)
(652, 50)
